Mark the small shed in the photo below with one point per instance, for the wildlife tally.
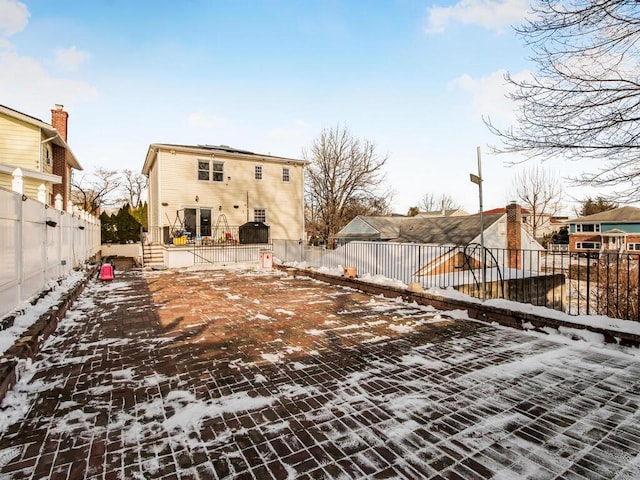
(254, 232)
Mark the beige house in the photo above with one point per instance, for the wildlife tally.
(41, 152)
(209, 191)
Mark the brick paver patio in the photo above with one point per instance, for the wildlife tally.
(221, 374)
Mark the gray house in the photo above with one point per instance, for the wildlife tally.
(429, 230)
(501, 231)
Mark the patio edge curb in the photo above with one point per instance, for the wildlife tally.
(477, 311)
(32, 339)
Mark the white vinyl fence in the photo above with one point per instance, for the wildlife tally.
(38, 244)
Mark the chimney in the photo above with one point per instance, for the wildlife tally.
(60, 167)
(59, 120)
(514, 234)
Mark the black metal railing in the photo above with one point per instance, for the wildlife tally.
(184, 236)
(600, 284)
(230, 253)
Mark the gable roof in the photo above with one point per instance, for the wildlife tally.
(48, 132)
(625, 214)
(220, 150)
(433, 230)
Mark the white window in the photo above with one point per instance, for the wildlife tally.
(47, 154)
(587, 227)
(210, 170)
(203, 170)
(258, 172)
(218, 171)
(633, 246)
(588, 245)
(285, 174)
(260, 215)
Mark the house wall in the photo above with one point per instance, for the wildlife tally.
(174, 181)
(21, 147)
(625, 227)
(575, 238)
(19, 144)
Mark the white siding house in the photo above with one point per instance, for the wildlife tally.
(203, 186)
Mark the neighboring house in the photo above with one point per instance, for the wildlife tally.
(449, 230)
(200, 187)
(501, 231)
(41, 152)
(613, 231)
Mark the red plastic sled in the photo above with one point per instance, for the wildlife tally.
(106, 272)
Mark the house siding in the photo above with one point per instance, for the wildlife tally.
(19, 144)
(583, 238)
(625, 227)
(174, 180)
(21, 147)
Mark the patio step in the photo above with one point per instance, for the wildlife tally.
(152, 255)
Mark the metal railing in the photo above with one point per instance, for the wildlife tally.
(561, 280)
(209, 236)
(228, 253)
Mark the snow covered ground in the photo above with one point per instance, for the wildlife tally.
(220, 374)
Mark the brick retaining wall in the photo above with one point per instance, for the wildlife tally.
(476, 311)
(30, 342)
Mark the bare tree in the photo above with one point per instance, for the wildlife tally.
(92, 192)
(344, 171)
(583, 102)
(431, 203)
(133, 186)
(539, 191)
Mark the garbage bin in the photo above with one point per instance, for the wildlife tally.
(266, 259)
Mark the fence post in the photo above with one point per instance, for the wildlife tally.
(17, 184)
(19, 241)
(45, 246)
(42, 193)
(588, 281)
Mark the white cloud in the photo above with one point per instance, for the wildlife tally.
(69, 59)
(14, 16)
(289, 133)
(30, 87)
(488, 94)
(203, 120)
(491, 14)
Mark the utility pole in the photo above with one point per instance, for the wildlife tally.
(477, 179)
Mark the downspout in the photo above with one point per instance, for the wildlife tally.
(159, 229)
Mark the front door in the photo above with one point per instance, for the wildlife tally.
(615, 244)
(190, 221)
(205, 222)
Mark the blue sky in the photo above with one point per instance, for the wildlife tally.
(415, 77)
